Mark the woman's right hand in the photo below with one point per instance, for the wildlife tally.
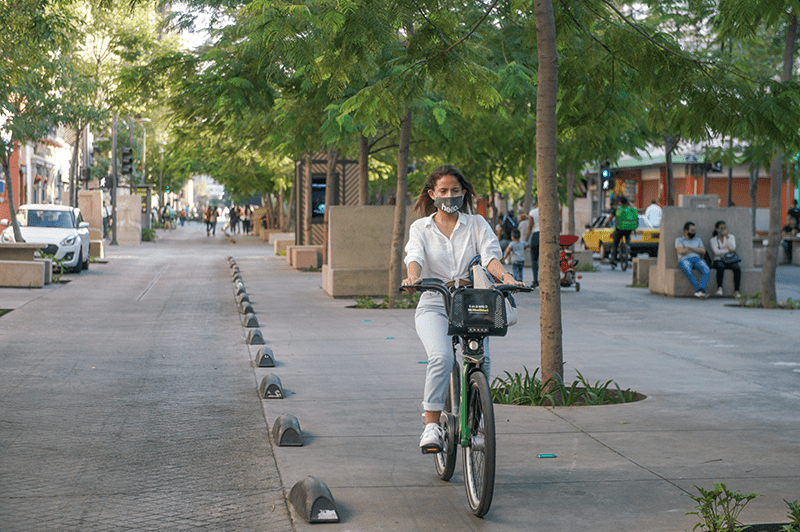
(409, 281)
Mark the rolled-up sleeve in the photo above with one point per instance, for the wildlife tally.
(488, 245)
(415, 247)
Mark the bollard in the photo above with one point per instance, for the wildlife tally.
(314, 502)
(254, 337)
(249, 320)
(265, 358)
(241, 298)
(270, 387)
(286, 431)
(246, 308)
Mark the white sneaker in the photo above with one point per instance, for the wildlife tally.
(431, 439)
(719, 292)
(700, 294)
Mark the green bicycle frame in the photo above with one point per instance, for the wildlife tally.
(472, 362)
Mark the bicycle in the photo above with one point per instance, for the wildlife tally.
(624, 255)
(468, 415)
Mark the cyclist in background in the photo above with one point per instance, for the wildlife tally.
(627, 220)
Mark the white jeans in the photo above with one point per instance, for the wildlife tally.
(431, 321)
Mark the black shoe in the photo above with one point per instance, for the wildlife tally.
(535, 284)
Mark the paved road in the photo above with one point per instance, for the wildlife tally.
(128, 401)
(154, 422)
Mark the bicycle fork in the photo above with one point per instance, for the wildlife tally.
(472, 351)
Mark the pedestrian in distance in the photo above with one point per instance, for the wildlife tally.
(213, 220)
(653, 214)
(515, 253)
(724, 257)
(794, 212)
(690, 251)
(532, 238)
(441, 245)
(789, 230)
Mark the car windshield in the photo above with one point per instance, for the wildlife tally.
(45, 218)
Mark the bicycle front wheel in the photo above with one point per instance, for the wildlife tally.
(479, 455)
(445, 460)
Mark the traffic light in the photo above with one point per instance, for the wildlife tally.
(606, 177)
(127, 161)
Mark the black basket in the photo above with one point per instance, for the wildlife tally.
(477, 312)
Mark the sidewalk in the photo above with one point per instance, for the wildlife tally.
(155, 423)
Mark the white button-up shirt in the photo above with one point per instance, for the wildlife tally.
(448, 258)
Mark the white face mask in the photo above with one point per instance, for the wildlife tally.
(448, 204)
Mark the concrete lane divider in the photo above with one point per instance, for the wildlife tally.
(313, 501)
(254, 337)
(265, 358)
(241, 298)
(249, 320)
(246, 308)
(286, 431)
(270, 387)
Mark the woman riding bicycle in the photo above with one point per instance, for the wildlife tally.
(441, 245)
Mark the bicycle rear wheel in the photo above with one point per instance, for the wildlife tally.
(625, 254)
(479, 456)
(445, 460)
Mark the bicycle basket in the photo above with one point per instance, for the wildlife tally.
(477, 312)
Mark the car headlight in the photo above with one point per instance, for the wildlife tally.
(6, 237)
(69, 240)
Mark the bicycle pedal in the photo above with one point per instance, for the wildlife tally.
(431, 449)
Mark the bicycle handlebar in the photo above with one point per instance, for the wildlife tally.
(437, 285)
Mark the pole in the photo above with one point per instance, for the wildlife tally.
(161, 179)
(114, 182)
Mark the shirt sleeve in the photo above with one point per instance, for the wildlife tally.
(415, 247)
(678, 243)
(715, 248)
(731, 243)
(488, 246)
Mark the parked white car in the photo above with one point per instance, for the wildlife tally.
(59, 226)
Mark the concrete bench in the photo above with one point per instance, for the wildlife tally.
(22, 274)
(640, 270)
(277, 235)
(281, 245)
(24, 251)
(96, 249)
(353, 282)
(675, 283)
(306, 258)
(310, 254)
(48, 269)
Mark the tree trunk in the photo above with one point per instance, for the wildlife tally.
(730, 178)
(306, 234)
(571, 200)
(290, 212)
(330, 197)
(768, 294)
(12, 208)
(669, 145)
(528, 190)
(398, 234)
(552, 361)
(363, 170)
(73, 170)
(753, 190)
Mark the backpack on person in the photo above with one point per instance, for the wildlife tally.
(627, 218)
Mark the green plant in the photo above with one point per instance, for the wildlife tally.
(587, 267)
(518, 389)
(528, 390)
(719, 508)
(148, 235)
(281, 253)
(57, 263)
(405, 301)
(794, 517)
(365, 302)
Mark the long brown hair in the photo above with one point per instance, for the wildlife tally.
(424, 205)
